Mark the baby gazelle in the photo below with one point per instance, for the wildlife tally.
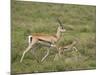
(62, 49)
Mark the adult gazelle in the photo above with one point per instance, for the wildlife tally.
(46, 38)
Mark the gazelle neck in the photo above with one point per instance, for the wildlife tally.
(58, 34)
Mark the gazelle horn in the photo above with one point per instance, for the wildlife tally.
(59, 22)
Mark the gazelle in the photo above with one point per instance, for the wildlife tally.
(67, 48)
(62, 49)
(50, 39)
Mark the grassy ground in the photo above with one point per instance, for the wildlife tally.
(79, 22)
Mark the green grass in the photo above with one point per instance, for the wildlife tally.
(79, 22)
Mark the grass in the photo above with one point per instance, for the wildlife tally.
(31, 17)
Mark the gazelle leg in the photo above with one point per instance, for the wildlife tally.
(28, 48)
(34, 52)
(45, 55)
(50, 45)
(75, 49)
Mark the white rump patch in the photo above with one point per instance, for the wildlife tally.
(29, 39)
